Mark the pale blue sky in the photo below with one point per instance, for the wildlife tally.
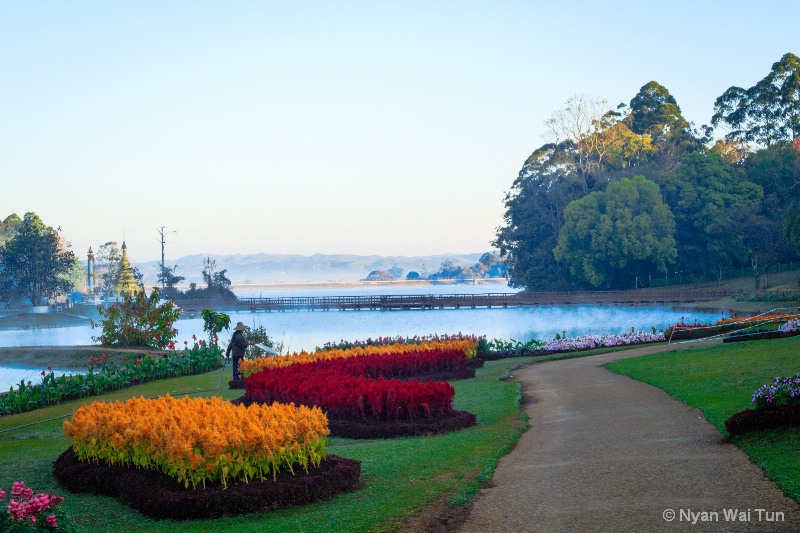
(331, 127)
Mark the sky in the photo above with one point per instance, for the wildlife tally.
(371, 128)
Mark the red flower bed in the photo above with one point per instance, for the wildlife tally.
(358, 388)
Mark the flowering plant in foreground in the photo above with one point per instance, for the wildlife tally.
(782, 391)
(467, 346)
(589, 342)
(200, 439)
(27, 511)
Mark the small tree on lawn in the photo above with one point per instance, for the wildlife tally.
(214, 323)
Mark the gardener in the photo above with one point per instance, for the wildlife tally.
(236, 348)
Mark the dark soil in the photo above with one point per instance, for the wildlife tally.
(356, 429)
(761, 335)
(763, 418)
(161, 497)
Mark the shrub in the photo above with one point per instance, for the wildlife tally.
(103, 375)
(138, 321)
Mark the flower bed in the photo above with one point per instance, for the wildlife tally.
(683, 331)
(372, 393)
(467, 346)
(200, 440)
(201, 458)
(591, 342)
(103, 376)
(777, 405)
(161, 497)
(354, 389)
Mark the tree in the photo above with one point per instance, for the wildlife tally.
(413, 275)
(767, 112)
(707, 195)
(169, 279)
(35, 264)
(108, 258)
(396, 272)
(9, 227)
(610, 237)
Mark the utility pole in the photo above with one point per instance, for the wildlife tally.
(163, 233)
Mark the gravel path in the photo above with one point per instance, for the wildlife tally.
(606, 453)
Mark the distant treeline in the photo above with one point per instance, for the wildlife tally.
(621, 196)
(490, 265)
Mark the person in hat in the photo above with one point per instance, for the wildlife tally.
(236, 348)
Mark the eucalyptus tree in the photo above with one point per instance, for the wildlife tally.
(767, 112)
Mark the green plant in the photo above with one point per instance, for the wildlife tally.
(258, 335)
(27, 512)
(103, 375)
(138, 321)
(214, 323)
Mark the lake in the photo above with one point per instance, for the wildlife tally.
(305, 330)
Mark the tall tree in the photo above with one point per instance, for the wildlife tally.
(609, 238)
(706, 195)
(767, 112)
(35, 263)
(108, 258)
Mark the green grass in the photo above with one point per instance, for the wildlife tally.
(720, 380)
(401, 476)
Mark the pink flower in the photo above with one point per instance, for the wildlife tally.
(51, 521)
(2, 494)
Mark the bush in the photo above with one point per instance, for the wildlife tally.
(103, 376)
(138, 321)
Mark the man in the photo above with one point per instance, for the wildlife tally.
(236, 348)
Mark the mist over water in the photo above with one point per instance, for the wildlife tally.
(309, 329)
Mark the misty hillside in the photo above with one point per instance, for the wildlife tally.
(270, 268)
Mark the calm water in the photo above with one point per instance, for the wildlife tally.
(308, 329)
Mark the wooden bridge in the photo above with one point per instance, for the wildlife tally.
(458, 301)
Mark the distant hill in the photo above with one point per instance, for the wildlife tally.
(270, 268)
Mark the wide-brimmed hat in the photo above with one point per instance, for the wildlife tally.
(240, 326)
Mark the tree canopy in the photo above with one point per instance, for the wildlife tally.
(735, 203)
(35, 263)
(610, 237)
(767, 112)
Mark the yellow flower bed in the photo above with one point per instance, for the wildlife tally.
(200, 439)
(249, 366)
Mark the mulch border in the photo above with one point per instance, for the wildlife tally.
(761, 335)
(763, 418)
(161, 497)
(354, 429)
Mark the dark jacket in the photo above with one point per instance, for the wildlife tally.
(237, 346)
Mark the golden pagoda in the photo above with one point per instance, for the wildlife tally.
(126, 284)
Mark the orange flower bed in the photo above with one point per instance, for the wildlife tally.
(199, 440)
(249, 366)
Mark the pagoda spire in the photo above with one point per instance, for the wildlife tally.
(126, 283)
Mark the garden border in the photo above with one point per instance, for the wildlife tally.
(161, 497)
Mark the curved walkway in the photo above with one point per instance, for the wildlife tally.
(607, 453)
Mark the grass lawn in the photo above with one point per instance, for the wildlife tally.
(720, 380)
(401, 476)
